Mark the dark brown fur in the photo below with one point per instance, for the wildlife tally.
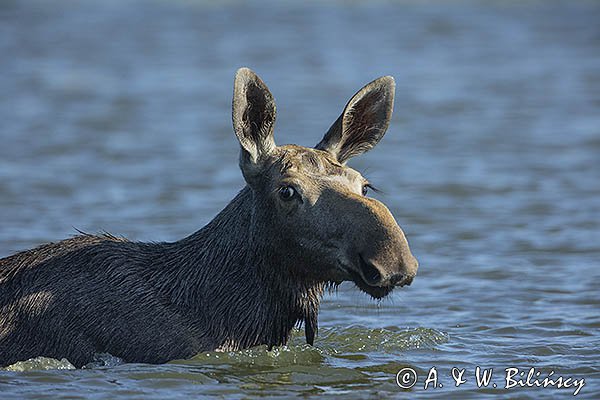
(247, 278)
(92, 294)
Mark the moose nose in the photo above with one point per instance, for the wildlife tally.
(376, 276)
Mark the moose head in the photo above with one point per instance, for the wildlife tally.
(315, 210)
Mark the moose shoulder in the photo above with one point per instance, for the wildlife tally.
(259, 268)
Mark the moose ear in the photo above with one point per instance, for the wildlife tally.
(253, 115)
(363, 122)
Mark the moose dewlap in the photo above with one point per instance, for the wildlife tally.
(303, 222)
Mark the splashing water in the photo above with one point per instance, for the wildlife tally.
(333, 342)
(40, 364)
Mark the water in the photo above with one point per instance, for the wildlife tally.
(116, 116)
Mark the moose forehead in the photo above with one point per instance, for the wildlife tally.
(298, 161)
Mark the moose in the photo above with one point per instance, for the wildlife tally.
(302, 224)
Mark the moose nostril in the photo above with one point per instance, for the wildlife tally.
(370, 273)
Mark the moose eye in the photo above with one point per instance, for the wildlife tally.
(287, 193)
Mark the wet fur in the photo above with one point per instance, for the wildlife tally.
(150, 302)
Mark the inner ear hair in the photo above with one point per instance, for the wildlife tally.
(363, 122)
(253, 115)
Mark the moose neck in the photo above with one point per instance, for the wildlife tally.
(235, 282)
